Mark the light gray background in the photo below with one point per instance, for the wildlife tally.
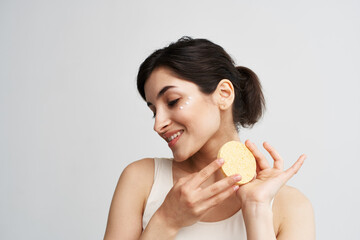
(71, 118)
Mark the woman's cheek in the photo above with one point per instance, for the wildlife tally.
(185, 104)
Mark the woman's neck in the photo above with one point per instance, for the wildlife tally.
(209, 151)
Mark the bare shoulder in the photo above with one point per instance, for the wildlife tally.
(290, 196)
(138, 176)
(141, 171)
(130, 196)
(293, 215)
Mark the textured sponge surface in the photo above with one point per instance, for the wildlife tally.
(238, 160)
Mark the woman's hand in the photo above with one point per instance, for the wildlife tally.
(187, 202)
(268, 180)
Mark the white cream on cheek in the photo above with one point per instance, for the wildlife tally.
(186, 103)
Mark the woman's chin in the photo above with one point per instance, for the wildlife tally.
(179, 157)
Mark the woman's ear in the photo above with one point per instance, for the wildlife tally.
(224, 94)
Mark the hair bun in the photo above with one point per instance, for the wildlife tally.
(252, 99)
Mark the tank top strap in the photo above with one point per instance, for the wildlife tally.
(163, 182)
(165, 170)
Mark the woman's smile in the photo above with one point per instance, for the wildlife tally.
(172, 137)
(180, 107)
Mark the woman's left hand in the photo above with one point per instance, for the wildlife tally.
(268, 180)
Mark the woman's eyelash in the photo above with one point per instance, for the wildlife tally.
(172, 103)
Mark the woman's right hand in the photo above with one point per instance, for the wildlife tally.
(187, 202)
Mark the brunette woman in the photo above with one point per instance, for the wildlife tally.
(200, 101)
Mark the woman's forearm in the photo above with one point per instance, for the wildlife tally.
(259, 221)
(158, 228)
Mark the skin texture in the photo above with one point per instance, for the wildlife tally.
(201, 192)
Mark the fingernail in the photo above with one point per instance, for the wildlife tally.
(221, 161)
(236, 187)
(237, 178)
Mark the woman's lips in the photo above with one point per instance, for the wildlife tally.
(174, 138)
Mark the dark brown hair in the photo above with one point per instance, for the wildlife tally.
(206, 64)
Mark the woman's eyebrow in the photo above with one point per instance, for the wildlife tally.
(161, 92)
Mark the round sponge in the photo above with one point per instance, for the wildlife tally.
(238, 160)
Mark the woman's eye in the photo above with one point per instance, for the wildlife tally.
(173, 103)
(170, 104)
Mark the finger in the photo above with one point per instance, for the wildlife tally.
(219, 186)
(219, 198)
(183, 180)
(278, 161)
(206, 172)
(260, 158)
(257, 169)
(289, 173)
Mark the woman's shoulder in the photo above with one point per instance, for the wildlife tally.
(289, 197)
(139, 172)
(141, 165)
(291, 207)
(127, 206)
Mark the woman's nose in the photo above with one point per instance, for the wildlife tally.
(162, 121)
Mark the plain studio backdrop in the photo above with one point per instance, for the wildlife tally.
(71, 118)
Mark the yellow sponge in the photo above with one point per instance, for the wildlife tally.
(238, 160)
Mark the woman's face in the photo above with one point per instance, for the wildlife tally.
(184, 117)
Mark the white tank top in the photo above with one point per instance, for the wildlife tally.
(230, 228)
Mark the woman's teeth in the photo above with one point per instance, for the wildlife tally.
(174, 136)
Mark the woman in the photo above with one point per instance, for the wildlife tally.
(200, 100)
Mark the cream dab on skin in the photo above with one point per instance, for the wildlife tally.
(186, 103)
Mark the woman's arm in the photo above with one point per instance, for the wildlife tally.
(256, 196)
(132, 190)
(258, 221)
(183, 206)
(294, 214)
(128, 204)
(291, 217)
(187, 202)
